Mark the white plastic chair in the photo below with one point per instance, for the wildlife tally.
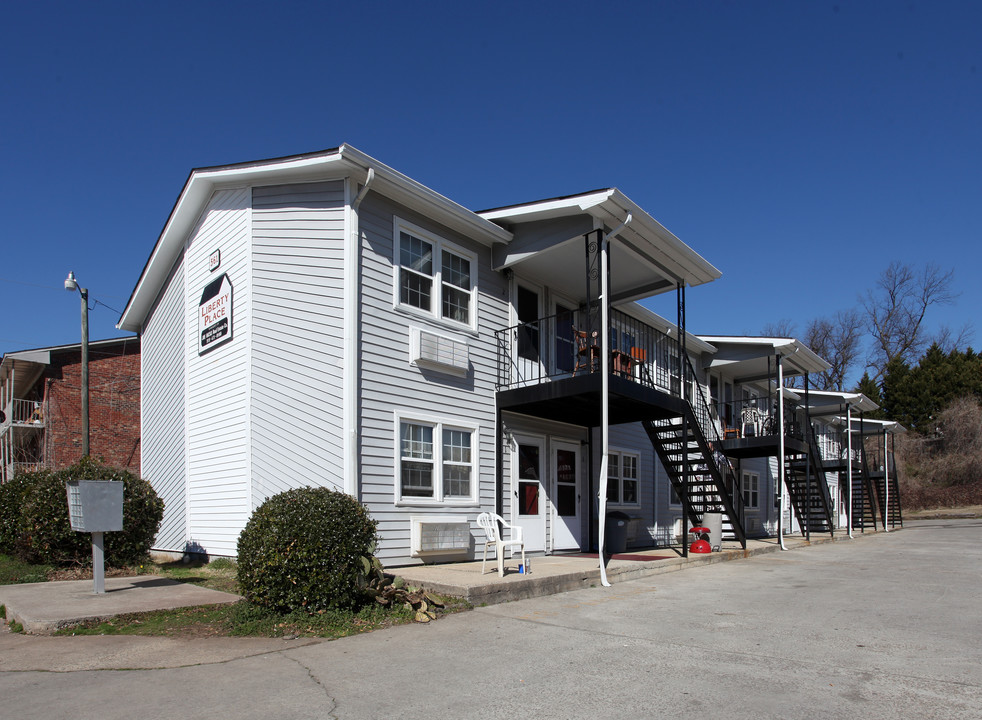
(751, 418)
(489, 523)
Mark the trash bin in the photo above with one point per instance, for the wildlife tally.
(615, 532)
(714, 521)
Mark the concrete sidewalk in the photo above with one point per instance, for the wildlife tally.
(553, 574)
(43, 608)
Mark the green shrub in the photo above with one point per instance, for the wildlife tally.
(12, 495)
(303, 550)
(43, 533)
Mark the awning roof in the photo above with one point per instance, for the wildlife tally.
(751, 359)
(831, 402)
(875, 427)
(645, 258)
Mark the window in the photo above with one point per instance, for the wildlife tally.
(431, 472)
(433, 276)
(751, 496)
(622, 478)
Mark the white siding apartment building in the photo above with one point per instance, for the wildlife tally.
(324, 320)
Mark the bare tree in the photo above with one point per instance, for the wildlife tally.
(837, 341)
(948, 340)
(895, 311)
(783, 328)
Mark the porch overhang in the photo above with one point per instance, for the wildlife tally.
(751, 359)
(548, 245)
(577, 401)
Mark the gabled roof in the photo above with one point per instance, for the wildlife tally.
(336, 163)
(875, 427)
(833, 402)
(749, 359)
(657, 253)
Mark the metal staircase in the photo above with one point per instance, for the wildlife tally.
(808, 488)
(865, 507)
(703, 479)
(889, 504)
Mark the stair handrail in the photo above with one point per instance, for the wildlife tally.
(731, 483)
(819, 464)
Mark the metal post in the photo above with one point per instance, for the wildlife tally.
(849, 464)
(604, 407)
(780, 452)
(808, 467)
(98, 564)
(886, 484)
(84, 293)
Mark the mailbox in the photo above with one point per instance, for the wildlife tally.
(95, 505)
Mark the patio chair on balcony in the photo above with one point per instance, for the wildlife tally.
(492, 524)
(587, 351)
(750, 421)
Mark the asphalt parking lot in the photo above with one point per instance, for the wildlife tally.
(884, 626)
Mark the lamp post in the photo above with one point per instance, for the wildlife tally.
(71, 286)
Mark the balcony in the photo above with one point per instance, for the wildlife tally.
(24, 413)
(752, 428)
(551, 368)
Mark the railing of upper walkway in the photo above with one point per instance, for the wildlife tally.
(568, 345)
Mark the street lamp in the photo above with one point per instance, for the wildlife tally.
(71, 286)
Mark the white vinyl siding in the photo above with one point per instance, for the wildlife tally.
(296, 376)
(217, 382)
(391, 383)
(162, 409)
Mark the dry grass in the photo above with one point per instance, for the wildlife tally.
(944, 471)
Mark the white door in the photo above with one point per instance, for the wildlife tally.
(566, 496)
(528, 462)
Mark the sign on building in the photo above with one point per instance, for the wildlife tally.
(215, 314)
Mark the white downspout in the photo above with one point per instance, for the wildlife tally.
(605, 401)
(780, 450)
(350, 364)
(849, 463)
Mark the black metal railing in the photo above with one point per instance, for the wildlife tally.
(568, 345)
(706, 417)
(758, 417)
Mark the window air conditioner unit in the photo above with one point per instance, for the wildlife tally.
(439, 352)
(439, 535)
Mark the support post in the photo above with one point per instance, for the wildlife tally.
(849, 464)
(98, 563)
(780, 452)
(886, 484)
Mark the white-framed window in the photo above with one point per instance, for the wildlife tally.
(436, 462)
(433, 276)
(622, 478)
(751, 490)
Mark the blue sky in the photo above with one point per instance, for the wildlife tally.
(799, 147)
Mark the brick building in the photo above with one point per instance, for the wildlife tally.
(40, 403)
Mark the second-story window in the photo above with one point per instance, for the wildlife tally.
(434, 276)
(416, 271)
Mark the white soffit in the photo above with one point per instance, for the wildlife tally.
(647, 239)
